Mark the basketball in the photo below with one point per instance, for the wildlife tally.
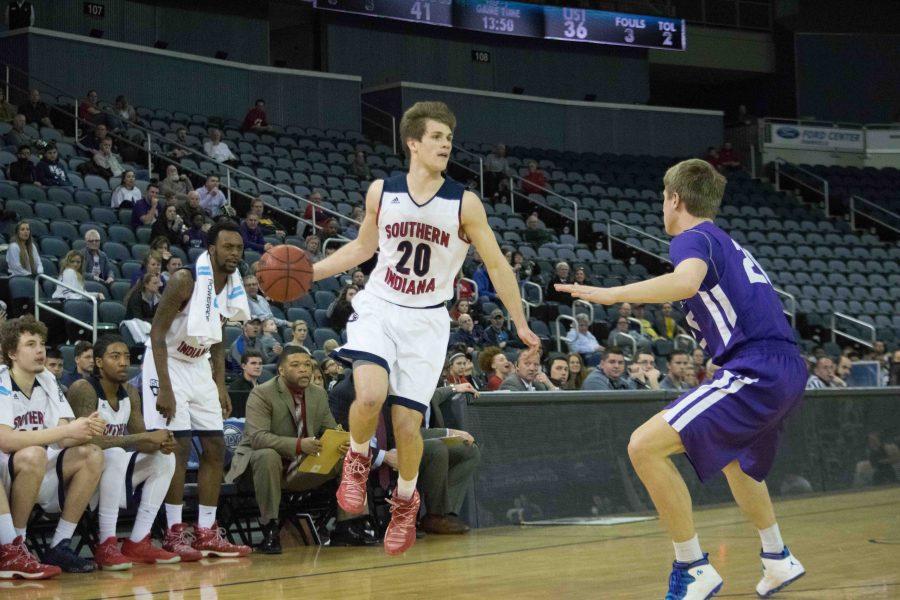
(284, 273)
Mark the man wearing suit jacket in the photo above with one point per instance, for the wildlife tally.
(446, 470)
(528, 376)
(285, 417)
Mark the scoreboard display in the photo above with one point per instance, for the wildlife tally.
(527, 20)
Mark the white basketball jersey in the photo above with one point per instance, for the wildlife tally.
(42, 410)
(116, 420)
(420, 247)
(179, 344)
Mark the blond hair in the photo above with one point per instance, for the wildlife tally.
(698, 185)
(413, 123)
(67, 262)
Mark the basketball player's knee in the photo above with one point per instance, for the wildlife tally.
(164, 464)
(638, 448)
(93, 458)
(369, 402)
(31, 460)
(213, 450)
(406, 430)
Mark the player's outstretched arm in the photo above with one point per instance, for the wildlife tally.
(683, 283)
(362, 248)
(65, 434)
(476, 228)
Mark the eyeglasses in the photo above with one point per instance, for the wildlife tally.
(93, 241)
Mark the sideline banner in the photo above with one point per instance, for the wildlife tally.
(806, 137)
(883, 140)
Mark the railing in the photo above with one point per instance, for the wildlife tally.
(856, 201)
(38, 305)
(559, 334)
(628, 338)
(792, 313)
(528, 303)
(688, 344)
(471, 282)
(381, 127)
(610, 237)
(867, 326)
(819, 185)
(590, 308)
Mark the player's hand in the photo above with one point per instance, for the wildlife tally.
(529, 338)
(165, 402)
(597, 295)
(467, 438)
(80, 429)
(311, 445)
(465, 388)
(225, 401)
(96, 423)
(390, 459)
(169, 445)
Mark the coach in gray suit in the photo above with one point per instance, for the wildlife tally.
(528, 376)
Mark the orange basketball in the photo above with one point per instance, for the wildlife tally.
(284, 273)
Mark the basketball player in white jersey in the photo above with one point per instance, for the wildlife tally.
(150, 464)
(421, 223)
(184, 391)
(42, 459)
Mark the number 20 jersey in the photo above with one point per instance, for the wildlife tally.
(736, 304)
(421, 247)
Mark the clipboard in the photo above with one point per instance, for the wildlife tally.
(329, 457)
(452, 440)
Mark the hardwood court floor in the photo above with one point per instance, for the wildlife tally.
(849, 543)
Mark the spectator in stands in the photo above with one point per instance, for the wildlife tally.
(94, 260)
(312, 246)
(578, 371)
(22, 256)
(125, 113)
(581, 277)
(90, 142)
(299, 335)
(644, 373)
(107, 163)
(256, 120)
(142, 299)
(218, 150)
(843, 370)
(341, 307)
(611, 374)
(160, 245)
(89, 109)
(270, 340)
(562, 275)
(623, 327)
(698, 363)
(259, 305)
(359, 168)
(23, 170)
(535, 182)
(582, 341)
(51, 171)
(172, 265)
(313, 211)
(535, 232)
(496, 333)
(211, 197)
(195, 236)
(666, 326)
(467, 335)
(17, 136)
(645, 327)
(330, 229)
(127, 194)
(495, 366)
(461, 307)
(72, 279)
(192, 207)
(358, 278)
(251, 369)
(455, 370)
(248, 340)
(35, 110)
(496, 167)
(177, 152)
(712, 157)
(84, 363)
(152, 263)
(332, 372)
(169, 226)
(268, 225)
(528, 376)
(729, 158)
(253, 235)
(823, 375)
(54, 363)
(677, 377)
(177, 184)
(146, 210)
(8, 112)
(558, 372)
(486, 291)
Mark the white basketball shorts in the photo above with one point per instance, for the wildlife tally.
(197, 406)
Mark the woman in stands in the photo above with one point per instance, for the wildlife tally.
(270, 340)
(127, 194)
(495, 366)
(577, 371)
(299, 333)
(160, 245)
(73, 278)
(143, 298)
(22, 257)
(170, 227)
(152, 263)
(341, 309)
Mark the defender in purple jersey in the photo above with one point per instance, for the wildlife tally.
(732, 423)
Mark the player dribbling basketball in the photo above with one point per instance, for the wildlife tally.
(422, 224)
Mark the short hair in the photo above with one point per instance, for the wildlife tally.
(104, 342)
(251, 353)
(555, 357)
(610, 351)
(12, 330)
(219, 226)
(698, 184)
(258, 100)
(82, 346)
(412, 124)
(290, 350)
(53, 352)
(24, 147)
(677, 353)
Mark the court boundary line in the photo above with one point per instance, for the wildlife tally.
(516, 551)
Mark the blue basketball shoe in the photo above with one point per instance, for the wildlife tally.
(698, 580)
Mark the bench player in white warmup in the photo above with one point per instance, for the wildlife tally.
(133, 457)
(421, 223)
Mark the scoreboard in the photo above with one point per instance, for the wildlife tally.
(527, 20)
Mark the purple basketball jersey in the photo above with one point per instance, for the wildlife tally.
(736, 305)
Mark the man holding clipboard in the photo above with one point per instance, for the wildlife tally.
(288, 420)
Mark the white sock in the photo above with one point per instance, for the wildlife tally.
(359, 448)
(107, 523)
(405, 488)
(7, 531)
(64, 531)
(143, 522)
(771, 539)
(21, 532)
(206, 516)
(173, 514)
(688, 551)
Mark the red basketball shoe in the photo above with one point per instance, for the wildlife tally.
(351, 494)
(108, 557)
(17, 561)
(148, 554)
(401, 532)
(211, 543)
(178, 541)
